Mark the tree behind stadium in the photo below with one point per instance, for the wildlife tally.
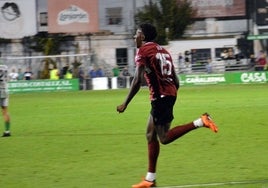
(171, 18)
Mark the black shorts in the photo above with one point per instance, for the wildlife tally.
(162, 110)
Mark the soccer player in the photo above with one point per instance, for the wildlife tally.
(155, 63)
(4, 99)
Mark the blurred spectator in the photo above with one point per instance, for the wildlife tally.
(96, 72)
(28, 74)
(180, 59)
(237, 53)
(81, 77)
(187, 56)
(13, 76)
(260, 61)
(100, 72)
(252, 60)
(54, 73)
(20, 74)
(209, 66)
(64, 70)
(231, 54)
(92, 72)
(125, 72)
(69, 74)
(224, 54)
(116, 71)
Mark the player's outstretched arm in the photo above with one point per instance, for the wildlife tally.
(176, 79)
(134, 88)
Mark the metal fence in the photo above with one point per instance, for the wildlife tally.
(217, 66)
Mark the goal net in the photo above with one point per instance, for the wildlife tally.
(40, 65)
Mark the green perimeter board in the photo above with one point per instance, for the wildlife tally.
(224, 78)
(43, 85)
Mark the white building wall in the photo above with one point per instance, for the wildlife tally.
(213, 27)
(105, 47)
(128, 11)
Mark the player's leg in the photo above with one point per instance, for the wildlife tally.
(153, 152)
(167, 136)
(163, 116)
(6, 117)
(153, 149)
(162, 112)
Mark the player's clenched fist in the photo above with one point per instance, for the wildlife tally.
(121, 108)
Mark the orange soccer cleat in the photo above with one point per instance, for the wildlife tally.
(145, 184)
(208, 122)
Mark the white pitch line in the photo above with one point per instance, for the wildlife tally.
(218, 184)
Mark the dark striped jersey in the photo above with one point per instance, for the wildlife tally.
(3, 81)
(158, 70)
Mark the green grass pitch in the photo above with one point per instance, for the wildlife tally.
(78, 140)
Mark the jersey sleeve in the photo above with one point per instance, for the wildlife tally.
(139, 59)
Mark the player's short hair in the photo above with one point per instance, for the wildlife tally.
(149, 31)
